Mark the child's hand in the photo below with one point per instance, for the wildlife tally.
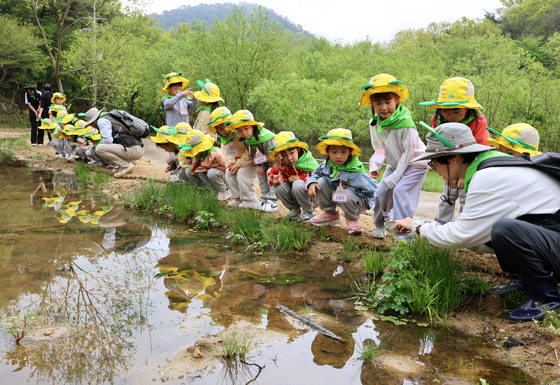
(277, 161)
(261, 171)
(233, 168)
(187, 92)
(311, 190)
(293, 178)
(374, 174)
(167, 169)
(461, 183)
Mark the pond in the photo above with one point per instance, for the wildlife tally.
(122, 292)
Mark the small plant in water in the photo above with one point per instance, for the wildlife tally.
(205, 220)
(349, 248)
(19, 325)
(374, 262)
(237, 342)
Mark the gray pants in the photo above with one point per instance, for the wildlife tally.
(446, 212)
(352, 208)
(117, 154)
(89, 153)
(403, 199)
(267, 192)
(294, 195)
(213, 179)
(61, 146)
(242, 183)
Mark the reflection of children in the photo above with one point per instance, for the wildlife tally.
(293, 164)
(209, 165)
(232, 147)
(209, 95)
(342, 181)
(257, 140)
(393, 131)
(517, 139)
(174, 105)
(56, 107)
(456, 104)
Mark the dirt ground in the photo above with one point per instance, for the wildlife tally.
(535, 351)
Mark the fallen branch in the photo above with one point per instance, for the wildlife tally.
(313, 325)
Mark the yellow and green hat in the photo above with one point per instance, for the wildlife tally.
(338, 137)
(63, 117)
(195, 143)
(80, 123)
(243, 118)
(520, 137)
(209, 93)
(454, 93)
(58, 95)
(175, 135)
(174, 77)
(221, 115)
(380, 84)
(92, 133)
(47, 124)
(283, 141)
(71, 130)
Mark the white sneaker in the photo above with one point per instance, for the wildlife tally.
(269, 207)
(59, 156)
(379, 232)
(33, 144)
(252, 204)
(69, 157)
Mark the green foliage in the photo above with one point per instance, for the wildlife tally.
(349, 249)
(205, 220)
(86, 175)
(374, 262)
(368, 349)
(550, 323)
(19, 325)
(237, 342)
(287, 235)
(433, 182)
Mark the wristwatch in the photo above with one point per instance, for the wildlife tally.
(416, 223)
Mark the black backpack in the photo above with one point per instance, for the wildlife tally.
(137, 127)
(548, 162)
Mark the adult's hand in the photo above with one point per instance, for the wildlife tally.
(403, 224)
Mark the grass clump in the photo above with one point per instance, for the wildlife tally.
(374, 262)
(368, 349)
(349, 249)
(86, 175)
(15, 142)
(237, 342)
(287, 235)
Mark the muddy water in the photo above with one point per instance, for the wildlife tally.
(121, 293)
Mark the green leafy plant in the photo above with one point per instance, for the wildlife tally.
(373, 261)
(19, 325)
(237, 342)
(205, 220)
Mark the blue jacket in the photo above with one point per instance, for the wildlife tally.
(359, 183)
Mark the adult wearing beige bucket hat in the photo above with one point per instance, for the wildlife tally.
(512, 210)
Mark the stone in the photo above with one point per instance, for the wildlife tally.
(197, 353)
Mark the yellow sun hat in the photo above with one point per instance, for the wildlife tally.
(71, 130)
(175, 135)
(175, 77)
(210, 92)
(338, 137)
(243, 118)
(47, 124)
(221, 115)
(196, 142)
(283, 141)
(454, 93)
(92, 133)
(80, 123)
(58, 95)
(63, 117)
(380, 84)
(520, 137)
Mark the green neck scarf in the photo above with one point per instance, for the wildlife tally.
(354, 165)
(201, 156)
(466, 120)
(264, 136)
(224, 139)
(399, 119)
(473, 167)
(205, 108)
(306, 162)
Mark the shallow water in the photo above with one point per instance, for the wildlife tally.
(125, 292)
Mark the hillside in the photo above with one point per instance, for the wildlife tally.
(208, 12)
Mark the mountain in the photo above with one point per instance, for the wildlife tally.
(209, 12)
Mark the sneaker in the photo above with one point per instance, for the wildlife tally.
(93, 162)
(306, 217)
(40, 144)
(252, 204)
(293, 214)
(354, 226)
(174, 178)
(223, 196)
(327, 219)
(269, 207)
(69, 157)
(235, 202)
(125, 170)
(33, 144)
(379, 232)
(60, 156)
(112, 166)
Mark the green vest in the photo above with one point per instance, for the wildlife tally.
(473, 167)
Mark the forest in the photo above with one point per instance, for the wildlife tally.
(103, 53)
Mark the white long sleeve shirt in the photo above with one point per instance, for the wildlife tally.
(106, 130)
(495, 193)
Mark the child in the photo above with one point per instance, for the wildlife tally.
(57, 140)
(293, 164)
(174, 105)
(516, 139)
(257, 140)
(342, 181)
(72, 141)
(56, 107)
(232, 147)
(169, 139)
(209, 96)
(93, 137)
(393, 131)
(209, 165)
(456, 104)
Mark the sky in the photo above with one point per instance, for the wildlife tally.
(350, 21)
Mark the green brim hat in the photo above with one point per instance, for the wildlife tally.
(383, 83)
(283, 141)
(195, 143)
(338, 137)
(454, 93)
(243, 118)
(175, 77)
(221, 115)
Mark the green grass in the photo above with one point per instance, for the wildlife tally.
(287, 235)
(374, 262)
(86, 175)
(237, 342)
(15, 142)
(368, 349)
(349, 249)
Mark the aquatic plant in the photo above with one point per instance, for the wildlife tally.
(286, 235)
(374, 261)
(19, 325)
(248, 223)
(349, 248)
(237, 342)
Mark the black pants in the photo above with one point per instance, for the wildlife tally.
(36, 134)
(526, 249)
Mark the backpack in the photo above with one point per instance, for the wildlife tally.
(138, 128)
(548, 162)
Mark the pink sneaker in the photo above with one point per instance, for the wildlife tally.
(234, 202)
(224, 196)
(354, 226)
(327, 219)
